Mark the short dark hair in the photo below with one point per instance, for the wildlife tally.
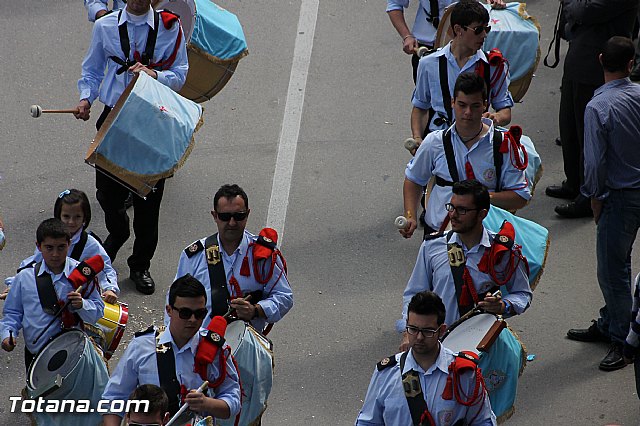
(479, 192)
(52, 228)
(73, 196)
(466, 12)
(617, 53)
(428, 303)
(470, 83)
(186, 286)
(230, 191)
(158, 400)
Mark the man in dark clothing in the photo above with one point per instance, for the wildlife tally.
(590, 23)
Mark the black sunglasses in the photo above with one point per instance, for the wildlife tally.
(238, 216)
(185, 313)
(480, 28)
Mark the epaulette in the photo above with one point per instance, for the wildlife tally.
(149, 330)
(27, 266)
(108, 13)
(387, 362)
(433, 236)
(194, 248)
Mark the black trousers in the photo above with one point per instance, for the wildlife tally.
(574, 97)
(414, 62)
(146, 213)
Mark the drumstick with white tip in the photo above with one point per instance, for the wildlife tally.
(182, 409)
(410, 144)
(36, 111)
(421, 51)
(401, 222)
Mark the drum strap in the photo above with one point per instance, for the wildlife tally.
(444, 89)
(79, 247)
(415, 398)
(555, 41)
(147, 56)
(219, 295)
(433, 15)
(46, 292)
(167, 375)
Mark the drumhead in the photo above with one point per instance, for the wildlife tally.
(468, 334)
(235, 335)
(58, 357)
(186, 9)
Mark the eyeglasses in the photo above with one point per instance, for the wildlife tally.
(238, 216)
(426, 332)
(63, 193)
(185, 313)
(479, 29)
(460, 210)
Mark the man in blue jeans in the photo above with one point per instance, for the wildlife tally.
(612, 183)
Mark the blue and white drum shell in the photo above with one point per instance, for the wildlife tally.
(254, 356)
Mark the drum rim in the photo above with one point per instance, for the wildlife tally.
(39, 355)
(448, 332)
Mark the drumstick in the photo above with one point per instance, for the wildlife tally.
(182, 409)
(410, 144)
(55, 317)
(401, 222)
(36, 111)
(228, 313)
(11, 341)
(421, 51)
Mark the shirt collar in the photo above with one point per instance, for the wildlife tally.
(488, 135)
(242, 248)
(66, 271)
(484, 240)
(76, 237)
(124, 17)
(192, 344)
(441, 363)
(478, 56)
(611, 84)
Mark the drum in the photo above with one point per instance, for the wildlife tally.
(109, 330)
(68, 368)
(215, 45)
(254, 356)
(515, 33)
(533, 238)
(146, 137)
(502, 357)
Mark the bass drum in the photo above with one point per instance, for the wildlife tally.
(254, 357)
(215, 45)
(502, 356)
(515, 33)
(68, 368)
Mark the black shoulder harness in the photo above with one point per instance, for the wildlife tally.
(147, 55)
(219, 295)
(46, 292)
(79, 247)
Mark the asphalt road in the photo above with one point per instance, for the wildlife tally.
(348, 265)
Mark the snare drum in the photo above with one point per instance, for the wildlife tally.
(502, 357)
(109, 330)
(146, 137)
(68, 368)
(254, 356)
(215, 45)
(515, 33)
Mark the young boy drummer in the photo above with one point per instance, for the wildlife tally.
(52, 276)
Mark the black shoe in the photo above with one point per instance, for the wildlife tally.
(591, 334)
(143, 281)
(574, 210)
(561, 191)
(558, 141)
(613, 360)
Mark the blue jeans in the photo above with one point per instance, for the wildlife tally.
(616, 232)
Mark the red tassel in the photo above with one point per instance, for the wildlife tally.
(245, 271)
(447, 393)
(237, 292)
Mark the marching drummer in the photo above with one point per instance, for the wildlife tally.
(159, 51)
(169, 359)
(471, 155)
(37, 291)
(73, 208)
(240, 271)
(467, 265)
(437, 73)
(426, 384)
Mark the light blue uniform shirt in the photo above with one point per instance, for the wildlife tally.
(139, 366)
(277, 295)
(22, 309)
(428, 93)
(611, 139)
(430, 161)
(423, 30)
(95, 6)
(108, 276)
(386, 404)
(432, 272)
(105, 42)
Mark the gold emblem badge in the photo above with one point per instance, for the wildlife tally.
(503, 239)
(162, 348)
(267, 239)
(215, 337)
(86, 271)
(193, 248)
(411, 384)
(385, 362)
(213, 254)
(456, 255)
